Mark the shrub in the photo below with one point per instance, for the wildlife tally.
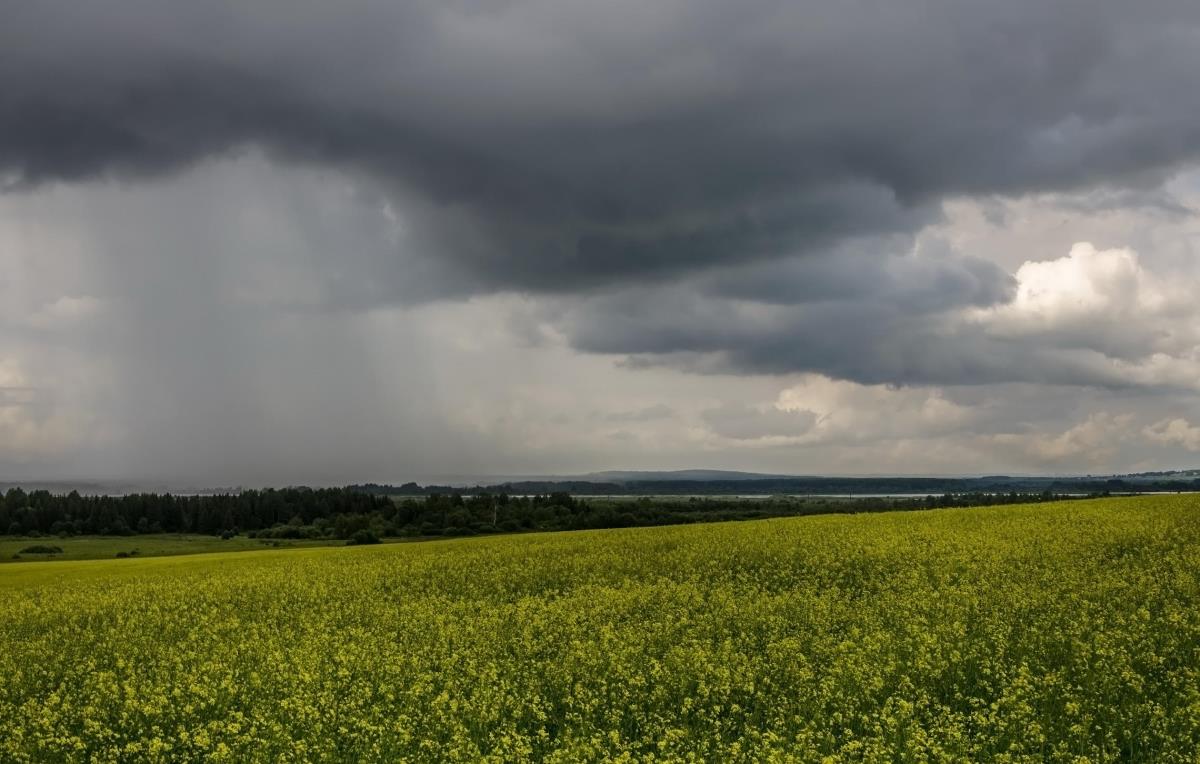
(42, 549)
(363, 536)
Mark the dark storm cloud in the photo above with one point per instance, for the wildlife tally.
(898, 320)
(867, 270)
(734, 187)
(565, 146)
(1157, 201)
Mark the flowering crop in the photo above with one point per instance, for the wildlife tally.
(1059, 632)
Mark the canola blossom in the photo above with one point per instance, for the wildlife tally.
(1058, 632)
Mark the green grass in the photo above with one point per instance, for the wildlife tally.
(157, 545)
(1054, 632)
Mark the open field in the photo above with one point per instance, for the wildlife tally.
(149, 545)
(1020, 633)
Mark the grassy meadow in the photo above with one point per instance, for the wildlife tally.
(1054, 632)
(148, 545)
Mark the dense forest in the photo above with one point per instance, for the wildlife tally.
(352, 513)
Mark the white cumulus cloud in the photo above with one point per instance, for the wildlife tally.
(1174, 432)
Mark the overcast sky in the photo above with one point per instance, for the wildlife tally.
(269, 242)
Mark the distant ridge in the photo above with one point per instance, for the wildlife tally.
(648, 476)
(699, 482)
(729, 483)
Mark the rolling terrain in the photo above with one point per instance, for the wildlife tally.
(1022, 633)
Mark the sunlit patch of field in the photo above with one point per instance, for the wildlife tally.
(1021, 633)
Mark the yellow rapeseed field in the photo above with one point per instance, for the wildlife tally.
(1055, 632)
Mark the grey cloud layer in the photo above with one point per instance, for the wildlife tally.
(568, 146)
(748, 188)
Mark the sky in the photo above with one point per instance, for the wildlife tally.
(267, 242)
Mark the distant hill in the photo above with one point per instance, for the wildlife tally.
(723, 483)
(643, 476)
(1172, 475)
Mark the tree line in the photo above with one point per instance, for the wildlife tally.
(352, 513)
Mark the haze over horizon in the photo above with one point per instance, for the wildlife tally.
(280, 243)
